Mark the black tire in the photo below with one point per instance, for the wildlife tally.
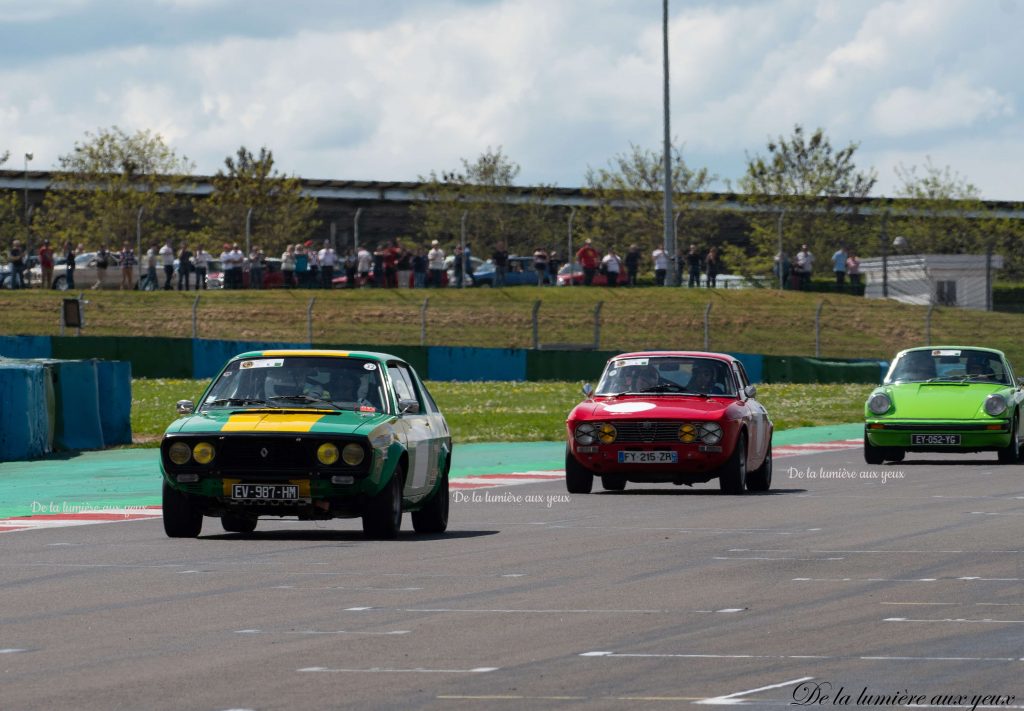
(733, 478)
(182, 518)
(873, 454)
(613, 482)
(433, 517)
(382, 518)
(761, 478)
(236, 523)
(1010, 454)
(60, 283)
(578, 480)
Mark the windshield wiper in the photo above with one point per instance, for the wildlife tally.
(241, 401)
(308, 399)
(664, 388)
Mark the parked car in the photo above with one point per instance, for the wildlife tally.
(273, 277)
(467, 279)
(945, 399)
(573, 274)
(31, 261)
(520, 273)
(86, 273)
(311, 435)
(670, 417)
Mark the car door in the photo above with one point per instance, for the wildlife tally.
(760, 435)
(417, 431)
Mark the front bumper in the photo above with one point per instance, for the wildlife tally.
(694, 462)
(974, 435)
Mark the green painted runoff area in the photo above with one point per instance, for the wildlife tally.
(130, 478)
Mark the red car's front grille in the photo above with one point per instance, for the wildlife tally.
(647, 430)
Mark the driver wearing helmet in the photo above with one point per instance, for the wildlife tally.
(638, 378)
(282, 382)
(702, 379)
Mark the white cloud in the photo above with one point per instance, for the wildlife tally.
(952, 102)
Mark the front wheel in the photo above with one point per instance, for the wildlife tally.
(613, 482)
(60, 283)
(733, 479)
(182, 518)
(1010, 454)
(433, 517)
(577, 479)
(235, 523)
(761, 478)
(383, 516)
(873, 454)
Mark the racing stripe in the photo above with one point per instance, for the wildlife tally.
(284, 422)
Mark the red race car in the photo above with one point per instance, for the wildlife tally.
(672, 417)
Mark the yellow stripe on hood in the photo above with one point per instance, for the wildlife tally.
(266, 422)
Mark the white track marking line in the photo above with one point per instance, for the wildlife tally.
(325, 632)
(387, 670)
(740, 657)
(956, 620)
(732, 699)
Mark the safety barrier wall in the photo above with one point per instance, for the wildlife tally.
(24, 418)
(50, 405)
(202, 358)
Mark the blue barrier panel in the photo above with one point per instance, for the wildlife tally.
(753, 364)
(26, 346)
(114, 380)
(78, 407)
(208, 357)
(476, 363)
(24, 422)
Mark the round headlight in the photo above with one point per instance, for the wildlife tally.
(711, 433)
(179, 453)
(585, 433)
(203, 452)
(352, 454)
(879, 403)
(995, 405)
(607, 433)
(688, 433)
(327, 453)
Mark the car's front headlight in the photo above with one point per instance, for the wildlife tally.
(352, 454)
(879, 403)
(585, 432)
(203, 452)
(688, 433)
(995, 405)
(179, 453)
(607, 433)
(327, 453)
(711, 433)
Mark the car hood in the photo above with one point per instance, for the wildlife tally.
(283, 421)
(665, 407)
(930, 401)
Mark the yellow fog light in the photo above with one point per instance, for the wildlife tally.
(352, 454)
(203, 452)
(688, 433)
(327, 453)
(179, 453)
(607, 433)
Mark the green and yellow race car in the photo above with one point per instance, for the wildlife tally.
(945, 399)
(308, 434)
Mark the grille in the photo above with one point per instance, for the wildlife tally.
(281, 452)
(648, 431)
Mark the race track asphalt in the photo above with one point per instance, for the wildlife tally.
(130, 478)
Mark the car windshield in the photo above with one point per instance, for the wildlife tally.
(298, 382)
(948, 365)
(667, 375)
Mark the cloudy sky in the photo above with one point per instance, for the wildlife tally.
(392, 89)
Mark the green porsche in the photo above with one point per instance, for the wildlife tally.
(308, 434)
(945, 399)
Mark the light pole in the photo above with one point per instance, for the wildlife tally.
(670, 237)
(570, 258)
(28, 157)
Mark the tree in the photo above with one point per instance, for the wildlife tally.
(12, 225)
(495, 209)
(816, 188)
(113, 184)
(281, 214)
(940, 211)
(631, 201)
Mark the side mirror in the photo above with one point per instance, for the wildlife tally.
(588, 390)
(411, 407)
(184, 407)
(750, 391)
